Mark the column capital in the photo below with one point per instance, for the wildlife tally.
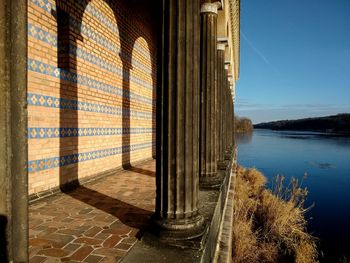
(223, 40)
(210, 7)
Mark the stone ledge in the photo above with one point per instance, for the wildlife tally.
(223, 253)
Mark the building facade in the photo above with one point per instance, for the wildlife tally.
(90, 87)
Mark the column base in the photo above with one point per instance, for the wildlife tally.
(228, 154)
(174, 231)
(223, 165)
(210, 181)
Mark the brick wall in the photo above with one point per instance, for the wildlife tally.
(91, 89)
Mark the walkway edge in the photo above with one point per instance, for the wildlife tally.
(223, 253)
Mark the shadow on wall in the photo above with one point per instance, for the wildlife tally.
(3, 240)
(66, 45)
(67, 62)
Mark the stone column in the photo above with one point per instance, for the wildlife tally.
(208, 89)
(13, 132)
(230, 118)
(233, 116)
(177, 173)
(228, 114)
(228, 127)
(220, 87)
(225, 103)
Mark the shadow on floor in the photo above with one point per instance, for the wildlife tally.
(127, 214)
(141, 171)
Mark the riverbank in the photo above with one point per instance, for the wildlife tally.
(270, 225)
(336, 124)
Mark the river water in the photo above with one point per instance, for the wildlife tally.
(326, 160)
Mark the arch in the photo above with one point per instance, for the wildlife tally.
(98, 61)
(143, 67)
(73, 38)
(128, 43)
(70, 39)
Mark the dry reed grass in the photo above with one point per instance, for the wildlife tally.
(270, 225)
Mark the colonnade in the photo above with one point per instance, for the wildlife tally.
(194, 119)
(195, 115)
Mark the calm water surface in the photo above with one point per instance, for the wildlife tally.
(326, 160)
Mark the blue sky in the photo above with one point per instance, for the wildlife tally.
(295, 59)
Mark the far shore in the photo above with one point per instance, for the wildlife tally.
(310, 132)
(335, 125)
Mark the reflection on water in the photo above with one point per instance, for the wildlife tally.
(323, 165)
(326, 160)
(243, 138)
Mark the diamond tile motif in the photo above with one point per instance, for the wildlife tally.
(32, 99)
(49, 163)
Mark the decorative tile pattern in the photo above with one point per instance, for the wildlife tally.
(45, 133)
(97, 77)
(54, 102)
(50, 163)
(45, 5)
(42, 35)
(43, 68)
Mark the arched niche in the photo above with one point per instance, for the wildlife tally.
(142, 89)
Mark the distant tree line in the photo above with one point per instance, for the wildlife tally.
(243, 125)
(333, 124)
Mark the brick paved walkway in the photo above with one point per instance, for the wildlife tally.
(98, 222)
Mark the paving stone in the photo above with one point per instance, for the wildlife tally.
(83, 228)
(109, 260)
(88, 240)
(108, 252)
(45, 230)
(37, 259)
(95, 223)
(93, 231)
(82, 253)
(60, 239)
(72, 232)
(117, 231)
(123, 246)
(93, 259)
(52, 260)
(85, 211)
(103, 235)
(111, 241)
(115, 224)
(32, 251)
(68, 220)
(43, 243)
(54, 252)
(72, 247)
